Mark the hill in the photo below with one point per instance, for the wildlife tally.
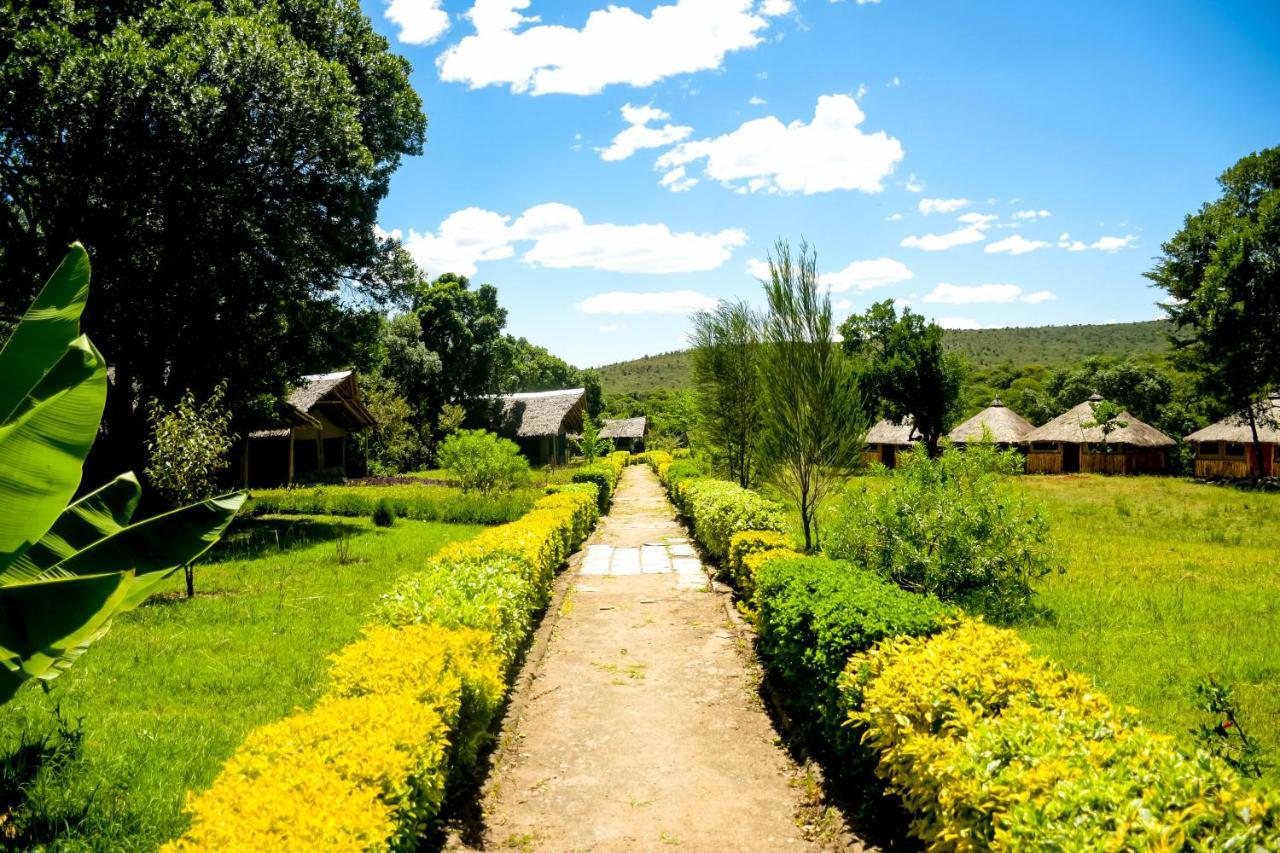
(1051, 346)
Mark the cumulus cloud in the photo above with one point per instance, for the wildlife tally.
(639, 135)
(893, 217)
(980, 220)
(942, 205)
(420, 21)
(949, 240)
(774, 8)
(865, 275)
(957, 323)
(628, 302)
(1000, 294)
(1015, 245)
(1039, 296)
(677, 181)
(828, 153)
(914, 185)
(1102, 244)
(561, 238)
(757, 101)
(757, 268)
(1031, 214)
(615, 45)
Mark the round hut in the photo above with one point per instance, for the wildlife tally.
(887, 439)
(1225, 450)
(1005, 427)
(1066, 446)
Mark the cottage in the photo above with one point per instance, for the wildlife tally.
(1065, 446)
(1226, 450)
(1004, 426)
(626, 434)
(310, 442)
(541, 422)
(887, 439)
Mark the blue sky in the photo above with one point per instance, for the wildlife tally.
(991, 164)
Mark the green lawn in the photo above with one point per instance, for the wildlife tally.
(1167, 582)
(171, 691)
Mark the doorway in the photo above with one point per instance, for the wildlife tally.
(1070, 458)
(888, 455)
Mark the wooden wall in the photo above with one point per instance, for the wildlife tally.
(1220, 467)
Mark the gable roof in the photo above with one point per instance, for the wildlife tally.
(333, 394)
(1067, 427)
(1006, 425)
(535, 413)
(1235, 428)
(891, 432)
(624, 428)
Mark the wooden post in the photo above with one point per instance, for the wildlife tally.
(290, 480)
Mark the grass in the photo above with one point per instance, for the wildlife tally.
(176, 685)
(422, 503)
(1168, 582)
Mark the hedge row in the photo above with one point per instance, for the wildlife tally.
(717, 509)
(407, 706)
(605, 474)
(423, 503)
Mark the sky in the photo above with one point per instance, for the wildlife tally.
(612, 168)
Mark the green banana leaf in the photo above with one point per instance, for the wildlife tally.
(49, 326)
(95, 516)
(43, 445)
(44, 624)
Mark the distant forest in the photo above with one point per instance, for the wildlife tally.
(1054, 347)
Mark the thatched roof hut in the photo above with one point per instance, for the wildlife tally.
(541, 421)
(1004, 425)
(625, 433)
(1226, 449)
(311, 434)
(1066, 445)
(886, 438)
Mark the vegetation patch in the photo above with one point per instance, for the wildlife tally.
(420, 503)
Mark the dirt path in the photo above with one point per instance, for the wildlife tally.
(640, 728)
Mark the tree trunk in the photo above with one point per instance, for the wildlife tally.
(191, 581)
(1257, 444)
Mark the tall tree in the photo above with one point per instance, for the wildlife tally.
(228, 158)
(904, 366)
(726, 374)
(814, 419)
(1222, 270)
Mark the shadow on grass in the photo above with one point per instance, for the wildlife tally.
(251, 538)
(37, 761)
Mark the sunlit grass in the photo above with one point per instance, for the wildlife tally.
(175, 686)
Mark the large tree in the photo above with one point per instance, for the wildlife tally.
(223, 163)
(814, 418)
(1222, 270)
(904, 366)
(726, 374)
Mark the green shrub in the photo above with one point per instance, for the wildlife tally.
(482, 462)
(745, 544)
(952, 527)
(421, 503)
(718, 509)
(605, 479)
(384, 514)
(681, 470)
(814, 613)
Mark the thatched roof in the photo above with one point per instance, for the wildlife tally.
(1006, 425)
(891, 432)
(334, 394)
(1236, 427)
(625, 428)
(535, 413)
(1067, 427)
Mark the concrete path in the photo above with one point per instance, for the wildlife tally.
(640, 727)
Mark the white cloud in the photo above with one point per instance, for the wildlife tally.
(978, 220)
(757, 268)
(893, 217)
(615, 45)
(640, 135)
(895, 81)
(942, 205)
(952, 294)
(829, 153)
(562, 239)
(864, 275)
(914, 185)
(1102, 244)
(842, 305)
(957, 323)
(608, 327)
(1015, 245)
(862, 91)
(1031, 214)
(420, 21)
(626, 302)
(757, 101)
(677, 181)
(940, 242)
(774, 8)
(1039, 296)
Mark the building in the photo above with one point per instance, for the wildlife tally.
(626, 434)
(1225, 450)
(311, 441)
(1005, 427)
(887, 439)
(1065, 446)
(541, 422)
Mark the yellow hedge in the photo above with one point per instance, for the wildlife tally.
(367, 768)
(750, 549)
(992, 748)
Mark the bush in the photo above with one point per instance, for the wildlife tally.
(745, 545)
(418, 502)
(384, 514)
(717, 509)
(814, 613)
(677, 472)
(482, 462)
(991, 748)
(952, 527)
(605, 479)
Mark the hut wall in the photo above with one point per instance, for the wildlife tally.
(1044, 461)
(1219, 466)
(1122, 460)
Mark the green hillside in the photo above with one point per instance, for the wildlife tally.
(1051, 346)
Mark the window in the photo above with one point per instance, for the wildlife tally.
(1044, 446)
(1210, 450)
(1235, 450)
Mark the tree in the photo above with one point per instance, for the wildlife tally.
(726, 349)
(1222, 273)
(590, 444)
(1106, 417)
(814, 420)
(187, 449)
(391, 445)
(231, 158)
(903, 364)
